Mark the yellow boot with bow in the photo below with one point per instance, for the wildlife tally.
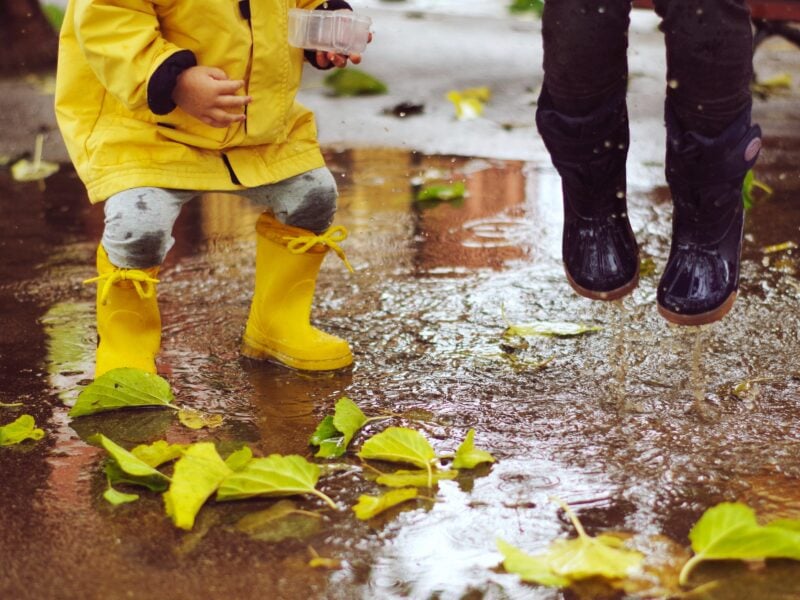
(128, 321)
(288, 260)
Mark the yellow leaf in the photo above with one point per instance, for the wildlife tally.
(370, 506)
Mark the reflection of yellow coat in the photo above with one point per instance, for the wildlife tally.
(110, 48)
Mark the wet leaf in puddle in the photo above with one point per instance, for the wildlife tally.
(750, 184)
(281, 521)
(521, 6)
(127, 468)
(323, 562)
(21, 429)
(35, 169)
(273, 476)
(123, 388)
(575, 559)
(117, 498)
(443, 192)
(551, 329)
(469, 103)
(783, 247)
(730, 531)
(370, 506)
(334, 433)
(403, 478)
(354, 82)
(197, 475)
(195, 419)
(768, 87)
(468, 456)
(158, 452)
(239, 459)
(399, 444)
(647, 267)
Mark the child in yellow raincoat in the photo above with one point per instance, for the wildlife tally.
(159, 100)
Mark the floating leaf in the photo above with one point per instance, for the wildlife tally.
(158, 453)
(469, 103)
(334, 433)
(399, 444)
(353, 82)
(36, 169)
(575, 559)
(790, 245)
(281, 521)
(443, 192)
(550, 328)
(116, 497)
(404, 478)
(123, 388)
(370, 506)
(20, 430)
(521, 6)
(198, 474)
(127, 468)
(239, 459)
(729, 531)
(533, 569)
(468, 456)
(195, 419)
(273, 476)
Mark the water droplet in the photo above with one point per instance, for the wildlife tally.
(620, 194)
(607, 143)
(673, 83)
(700, 107)
(601, 9)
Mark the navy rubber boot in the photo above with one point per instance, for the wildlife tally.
(600, 255)
(705, 176)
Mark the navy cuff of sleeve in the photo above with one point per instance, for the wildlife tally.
(311, 55)
(162, 82)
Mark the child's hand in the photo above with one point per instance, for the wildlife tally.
(326, 59)
(207, 94)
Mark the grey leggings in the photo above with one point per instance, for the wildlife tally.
(139, 221)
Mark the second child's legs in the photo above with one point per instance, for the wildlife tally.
(582, 117)
(711, 144)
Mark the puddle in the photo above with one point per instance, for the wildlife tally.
(639, 426)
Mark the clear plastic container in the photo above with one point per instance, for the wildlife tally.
(340, 31)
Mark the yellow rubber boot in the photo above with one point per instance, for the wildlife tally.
(128, 321)
(287, 264)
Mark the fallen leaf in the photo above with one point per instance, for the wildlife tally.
(123, 388)
(281, 521)
(443, 192)
(158, 453)
(403, 445)
(36, 169)
(468, 456)
(370, 506)
(790, 245)
(20, 430)
(195, 419)
(403, 478)
(353, 82)
(127, 468)
(117, 498)
(551, 329)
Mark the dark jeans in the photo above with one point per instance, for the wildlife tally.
(709, 57)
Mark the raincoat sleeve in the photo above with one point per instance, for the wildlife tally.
(122, 42)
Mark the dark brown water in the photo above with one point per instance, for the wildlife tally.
(636, 426)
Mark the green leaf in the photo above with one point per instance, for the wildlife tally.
(273, 476)
(54, 14)
(469, 103)
(750, 184)
(195, 419)
(35, 169)
(198, 474)
(399, 444)
(353, 82)
(116, 497)
(404, 478)
(158, 453)
(127, 468)
(533, 569)
(549, 328)
(281, 521)
(17, 431)
(729, 531)
(370, 506)
(123, 388)
(239, 459)
(334, 433)
(468, 456)
(782, 247)
(444, 191)
(521, 6)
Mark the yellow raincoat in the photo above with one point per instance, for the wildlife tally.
(109, 49)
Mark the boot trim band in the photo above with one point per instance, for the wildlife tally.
(144, 285)
(330, 238)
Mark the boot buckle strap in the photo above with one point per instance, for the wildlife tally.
(144, 285)
(330, 238)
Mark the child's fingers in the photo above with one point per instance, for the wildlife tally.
(228, 101)
(355, 58)
(340, 60)
(229, 86)
(322, 59)
(216, 117)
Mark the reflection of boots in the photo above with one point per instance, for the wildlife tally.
(128, 321)
(600, 254)
(705, 176)
(287, 264)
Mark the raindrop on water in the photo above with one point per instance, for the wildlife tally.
(673, 83)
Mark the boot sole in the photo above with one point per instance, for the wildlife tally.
(614, 294)
(261, 352)
(701, 319)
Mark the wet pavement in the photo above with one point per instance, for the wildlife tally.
(640, 426)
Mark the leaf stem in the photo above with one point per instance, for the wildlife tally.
(430, 474)
(37, 151)
(683, 578)
(326, 498)
(11, 405)
(572, 517)
(380, 418)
